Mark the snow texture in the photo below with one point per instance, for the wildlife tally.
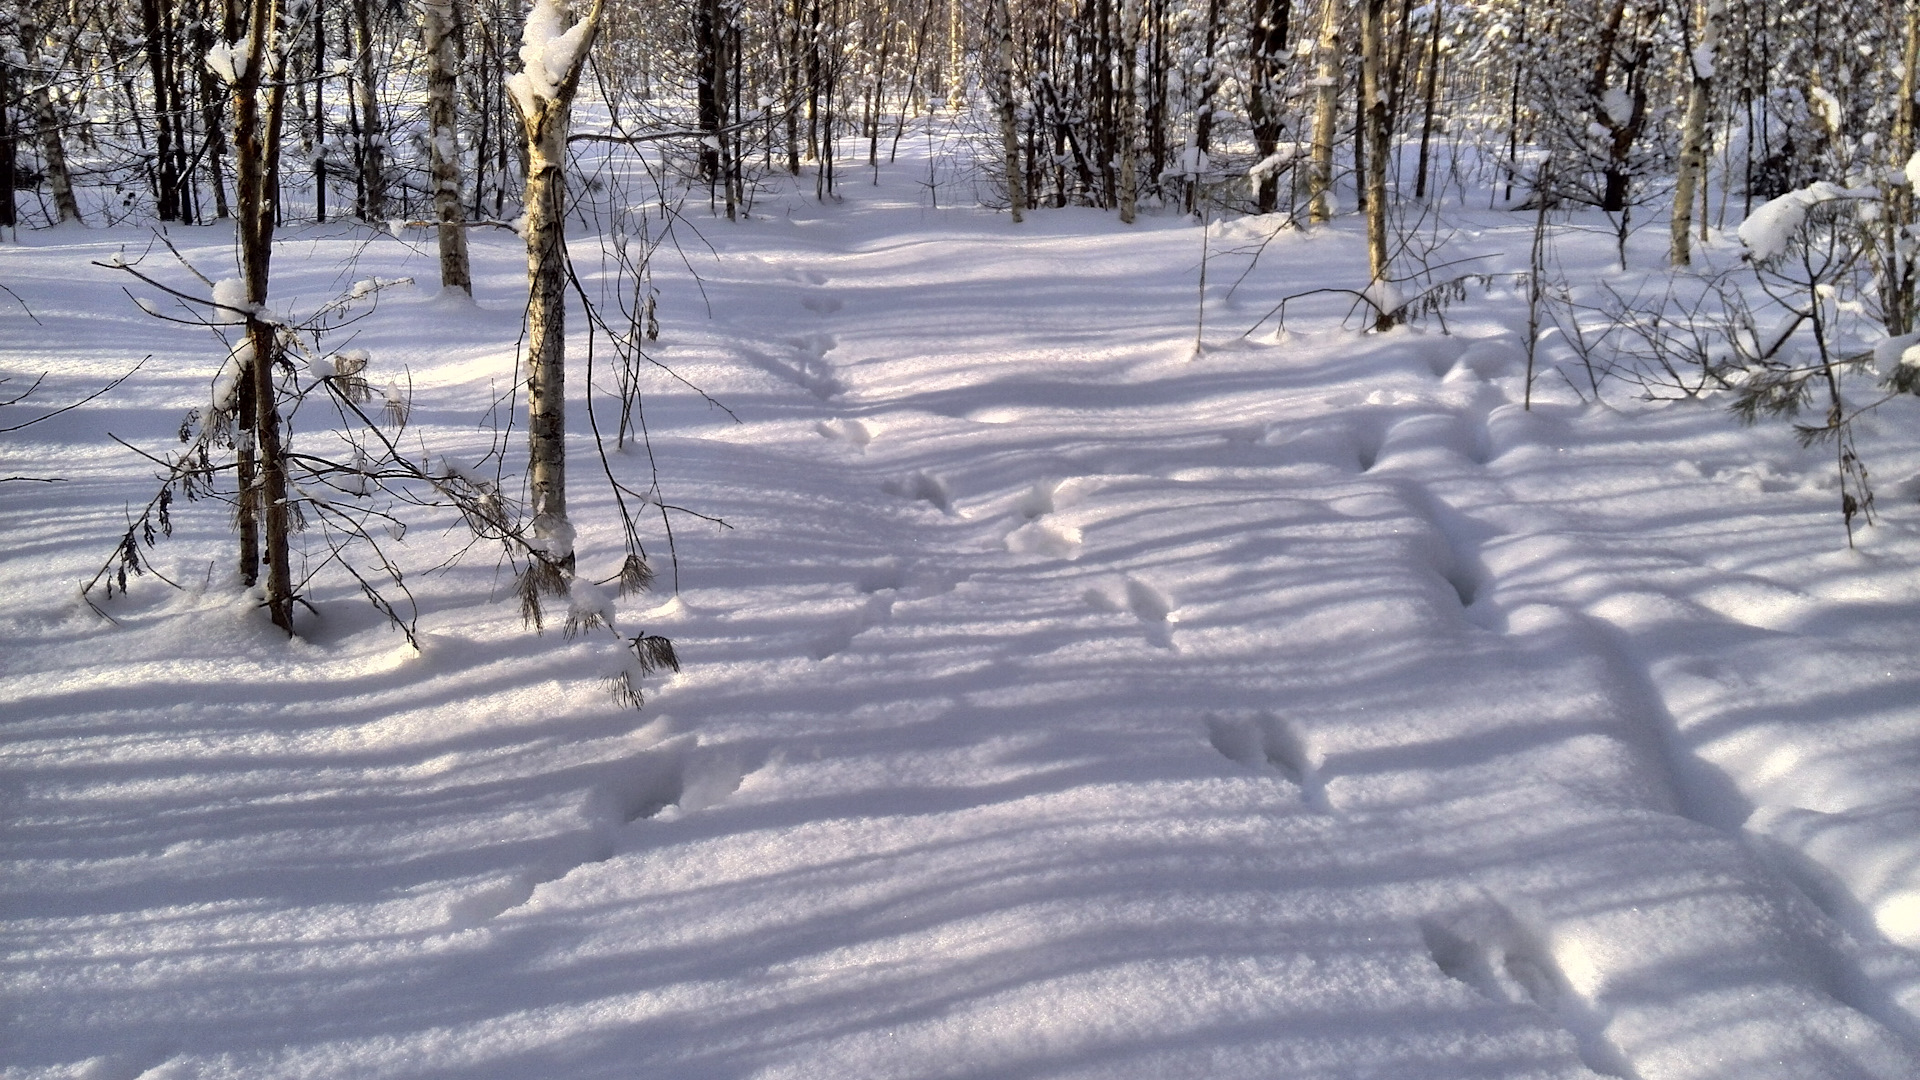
(1055, 706)
(551, 45)
(1771, 227)
(229, 61)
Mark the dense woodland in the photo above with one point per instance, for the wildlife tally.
(460, 114)
(1250, 105)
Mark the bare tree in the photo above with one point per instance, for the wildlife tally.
(439, 22)
(41, 72)
(553, 55)
(1376, 124)
(369, 131)
(1326, 112)
(1000, 41)
(1700, 59)
(1267, 59)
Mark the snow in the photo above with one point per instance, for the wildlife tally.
(1055, 705)
(1618, 105)
(1273, 162)
(550, 45)
(230, 298)
(1771, 227)
(229, 60)
(1703, 62)
(1827, 107)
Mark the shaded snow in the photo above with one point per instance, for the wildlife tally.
(1056, 706)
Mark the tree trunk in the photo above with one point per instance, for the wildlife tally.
(1203, 104)
(1898, 272)
(1693, 130)
(371, 146)
(439, 22)
(53, 152)
(544, 107)
(790, 82)
(1427, 107)
(9, 217)
(1376, 124)
(1126, 109)
(1267, 48)
(956, 59)
(708, 68)
(1000, 36)
(255, 126)
(166, 110)
(1618, 170)
(1326, 113)
(211, 121)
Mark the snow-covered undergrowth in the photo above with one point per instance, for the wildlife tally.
(1057, 704)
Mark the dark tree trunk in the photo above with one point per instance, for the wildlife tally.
(257, 104)
(1268, 49)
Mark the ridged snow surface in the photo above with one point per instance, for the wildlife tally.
(1059, 703)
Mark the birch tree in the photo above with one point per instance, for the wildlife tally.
(553, 54)
(1700, 60)
(1000, 41)
(370, 136)
(1326, 112)
(439, 19)
(1376, 126)
(40, 72)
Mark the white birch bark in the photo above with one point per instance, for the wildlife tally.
(372, 148)
(439, 19)
(46, 119)
(1691, 175)
(1001, 38)
(1375, 124)
(553, 54)
(1326, 113)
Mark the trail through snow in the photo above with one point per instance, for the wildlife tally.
(1056, 705)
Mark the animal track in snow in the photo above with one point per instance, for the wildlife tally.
(1498, 954)
(873, 612)
(822, 305)
(855, 433)
(1429, 438)
(664, 782)
(884, 585)
(808, 371)
(1147, 602)
(1036, 536)
(1454, 545)
(811, 368)
(923, 487)
(1154, 608)
(1271, 742)
(1045, 538)
(1366, 450)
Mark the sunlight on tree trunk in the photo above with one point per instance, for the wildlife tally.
(555, 52)
(1326, 113)
(439, 20)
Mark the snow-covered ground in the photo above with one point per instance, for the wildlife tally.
(1058, 703)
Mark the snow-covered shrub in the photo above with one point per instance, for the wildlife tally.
(1834, 336)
